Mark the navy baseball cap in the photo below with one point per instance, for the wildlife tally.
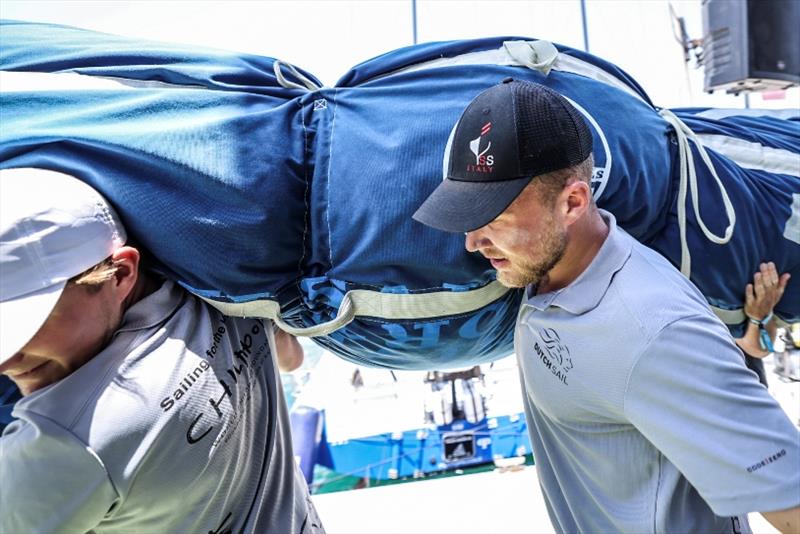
(509, 134)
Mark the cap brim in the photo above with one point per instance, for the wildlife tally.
(461, 206)
(22, 317)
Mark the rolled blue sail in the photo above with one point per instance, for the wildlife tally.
(269, 195)
(199, 150)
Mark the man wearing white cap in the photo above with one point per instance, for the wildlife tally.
(144, 409)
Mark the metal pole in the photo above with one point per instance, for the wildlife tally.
(414, 19)
(585, 27)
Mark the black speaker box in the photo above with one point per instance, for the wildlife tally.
(751, 45)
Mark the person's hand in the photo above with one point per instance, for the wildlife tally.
(764, 293)
(290, 352)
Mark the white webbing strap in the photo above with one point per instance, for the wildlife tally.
(729, 316)
(722, 113)
(305, 84)
(366, 303)
(751, 155)
(536, 55)
(13, 81)
(688, 181)
(737, 316)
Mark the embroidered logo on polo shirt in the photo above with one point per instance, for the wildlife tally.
(554, 354)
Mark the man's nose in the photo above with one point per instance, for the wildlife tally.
(473, 240)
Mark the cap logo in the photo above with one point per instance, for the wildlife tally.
(483, 162)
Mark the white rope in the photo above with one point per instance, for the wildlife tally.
(306, 83)
(688, 183)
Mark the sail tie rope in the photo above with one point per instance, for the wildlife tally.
(688, 182)
(306, 84)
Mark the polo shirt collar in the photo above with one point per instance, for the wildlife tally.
(76, 388)
(153, 309)
(585, 292)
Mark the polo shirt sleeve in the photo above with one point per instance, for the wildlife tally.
(50, 481)
(691, 395)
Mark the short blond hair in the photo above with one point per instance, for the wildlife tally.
(95, 276)
(552, 183)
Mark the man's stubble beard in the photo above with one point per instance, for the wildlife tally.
(552, 249)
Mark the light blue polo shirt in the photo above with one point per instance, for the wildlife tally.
(179, 425)
(642, 414)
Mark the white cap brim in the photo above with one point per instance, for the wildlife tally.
(22, 317)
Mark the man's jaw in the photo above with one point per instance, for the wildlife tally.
(503, 266)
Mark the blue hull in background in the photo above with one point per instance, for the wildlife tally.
(371, 427)
(423, 451)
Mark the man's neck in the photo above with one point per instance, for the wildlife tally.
(145, 285)
(585, 239)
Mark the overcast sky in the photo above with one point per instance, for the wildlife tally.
(327, 37)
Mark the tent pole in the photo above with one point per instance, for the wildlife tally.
(414, 20)
(585, 27)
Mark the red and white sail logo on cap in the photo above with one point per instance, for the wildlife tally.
(483, 161)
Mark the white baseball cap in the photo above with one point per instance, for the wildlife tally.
(52, 228)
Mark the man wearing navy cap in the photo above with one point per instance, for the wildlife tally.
(642, 414)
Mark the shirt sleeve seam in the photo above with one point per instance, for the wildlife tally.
(83, 445)
(642, 352)
(778, 498)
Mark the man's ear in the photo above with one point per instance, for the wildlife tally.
(126, 260)
(577, 198)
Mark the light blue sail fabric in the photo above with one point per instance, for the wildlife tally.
(198, 149)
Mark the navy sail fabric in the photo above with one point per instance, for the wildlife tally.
(269, 195)
(386, 125)
(756, 154)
